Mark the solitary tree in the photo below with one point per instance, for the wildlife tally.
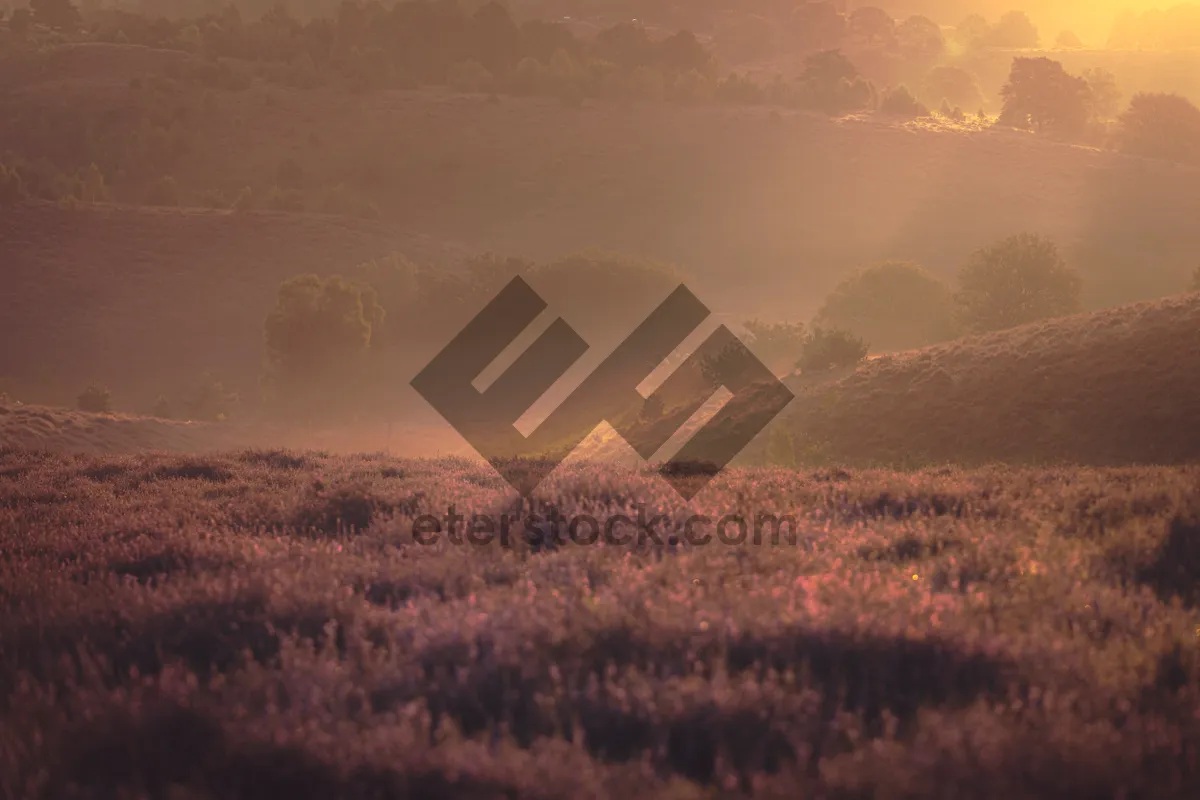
(1014, 30)
(895, 305)
(317, 337)
(1161, 126)
(1019, 280)
(1040, 94)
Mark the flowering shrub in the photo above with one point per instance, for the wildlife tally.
(172, 628)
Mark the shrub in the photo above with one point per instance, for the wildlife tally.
(896, 305)
(829, 349)
(1019, 280)
(1161, 126)
(95, 399)
(210, 401)
(899, 102)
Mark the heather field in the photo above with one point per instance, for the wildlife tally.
(265, 624)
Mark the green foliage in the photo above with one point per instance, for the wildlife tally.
(317, 337)
(899, 102)
(895, 305)
(1041, 95)
(1019, 280)
(95, 399)
(830, 349)
(777, 344)
(1161, 126)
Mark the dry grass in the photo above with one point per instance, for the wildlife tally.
(262, 623)
(1112, 387)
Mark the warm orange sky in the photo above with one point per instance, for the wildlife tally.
(1090, 19)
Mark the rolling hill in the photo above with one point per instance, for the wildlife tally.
(767, 209)
(1118, 386)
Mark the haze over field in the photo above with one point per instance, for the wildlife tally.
(861, 462)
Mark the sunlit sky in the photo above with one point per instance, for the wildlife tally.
(1090, 19)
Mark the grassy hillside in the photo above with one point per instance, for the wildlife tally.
(198, 627)
(1115, 386)
(768, 210)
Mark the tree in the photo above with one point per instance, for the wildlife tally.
(832, 83)
(872, 25)
(920, 38)
(210, 401)
(1040, 94)
(972, 31)
(56, 14)
(1014, 31)
(816, 26)
(497, 38)
(830, 349)
(952, 84)
(896, 305)
(1160, 126)
(1067, 40)
(1104, 97)
(317, 337)
(1016, 281)
(95, 399)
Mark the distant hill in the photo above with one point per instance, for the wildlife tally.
(1113, 387)
(767, 209)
